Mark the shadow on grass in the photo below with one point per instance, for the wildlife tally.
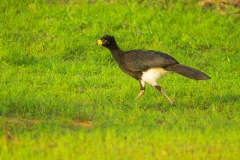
(202, 103)
(205, 103)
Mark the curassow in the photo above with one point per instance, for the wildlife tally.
(147, 66)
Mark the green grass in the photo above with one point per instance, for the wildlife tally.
(63, 97)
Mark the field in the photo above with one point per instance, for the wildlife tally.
(63, 97)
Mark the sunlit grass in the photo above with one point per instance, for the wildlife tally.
(63, 97)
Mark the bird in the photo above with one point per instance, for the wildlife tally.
(147, 66)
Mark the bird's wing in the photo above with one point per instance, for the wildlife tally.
(141, 60)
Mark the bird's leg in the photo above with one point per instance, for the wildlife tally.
(161, 90)
(140, 93)
(142, 89)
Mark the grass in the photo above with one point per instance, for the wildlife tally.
(63, 97)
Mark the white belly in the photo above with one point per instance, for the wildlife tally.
(152, 75)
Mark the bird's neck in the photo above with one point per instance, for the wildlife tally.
(116, 53)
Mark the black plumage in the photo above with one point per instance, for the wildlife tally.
(147, 65)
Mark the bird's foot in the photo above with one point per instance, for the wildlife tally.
(173, 102)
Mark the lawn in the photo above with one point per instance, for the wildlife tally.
(64, 97)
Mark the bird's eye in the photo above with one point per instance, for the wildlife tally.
(104, 41)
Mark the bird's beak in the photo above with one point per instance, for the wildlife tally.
(99, 42)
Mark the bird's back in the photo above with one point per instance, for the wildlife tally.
(141, 60)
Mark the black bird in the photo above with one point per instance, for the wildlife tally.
(147, 66)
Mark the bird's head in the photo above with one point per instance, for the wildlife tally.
(107, 41)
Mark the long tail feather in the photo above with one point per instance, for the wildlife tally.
(187, 72)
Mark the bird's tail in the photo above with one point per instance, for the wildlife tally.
(187, 72)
